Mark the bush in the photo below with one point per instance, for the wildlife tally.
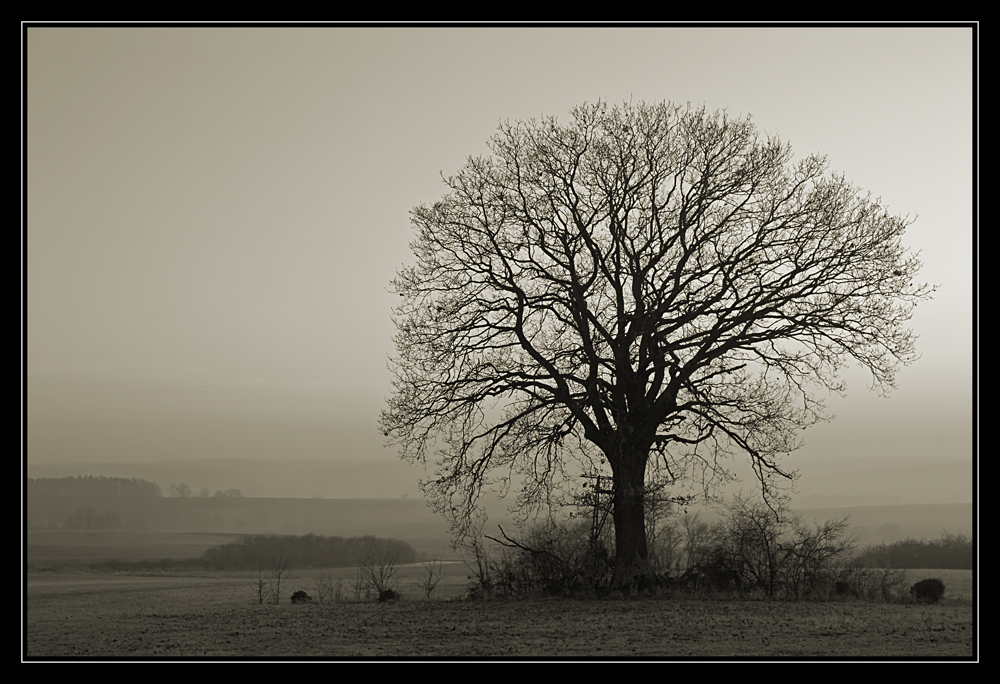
(376, 572)
(301, 597)
(861, 581)
(757, 550)
(764, 549)
(266, 585)
(551, 559)
(928, 590)
(388, 595)
(329, 590)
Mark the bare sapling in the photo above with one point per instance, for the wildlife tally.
(259, 584)
(279, 573)
(378, 570)
(434, 571)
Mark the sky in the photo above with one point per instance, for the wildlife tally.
(214, 215)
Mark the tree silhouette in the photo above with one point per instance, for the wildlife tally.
(654, 286)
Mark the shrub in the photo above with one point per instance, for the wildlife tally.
(267, 584)
(433, 574)
(758, 549)
(388, 595)
(928, 590)
(377, 572)
(859, 580)
(328, 590)
(301, 597)
(762, 548)
(550, 559)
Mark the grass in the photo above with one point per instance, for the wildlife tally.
(214, 614)
(185, 613)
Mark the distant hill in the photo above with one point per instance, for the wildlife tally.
(329, 479)
(824, 483)
(348, 498)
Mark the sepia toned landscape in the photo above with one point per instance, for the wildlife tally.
(214, 614)
(116, 594)
(500, 342)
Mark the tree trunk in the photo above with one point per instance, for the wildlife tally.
(633, 571)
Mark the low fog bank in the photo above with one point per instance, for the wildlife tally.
(886, 501)
(822, 483)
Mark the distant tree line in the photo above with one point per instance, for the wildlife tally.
(303, 551)
(96, 502)
(89, 502)
(182, 490)
(950, 552)
(89, 486)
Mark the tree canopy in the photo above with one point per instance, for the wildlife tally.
(654, 285)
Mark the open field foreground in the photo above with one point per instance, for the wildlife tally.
(214, 614)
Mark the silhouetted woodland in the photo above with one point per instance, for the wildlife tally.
(950, 552)
(90, 502)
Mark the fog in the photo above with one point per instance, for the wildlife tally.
(214, 217)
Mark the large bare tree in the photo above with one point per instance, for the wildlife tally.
(657, 286)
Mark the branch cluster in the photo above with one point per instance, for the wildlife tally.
(645, 279)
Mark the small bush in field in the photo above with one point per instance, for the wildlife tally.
(928, 590)
(301, 597)
(388, 595)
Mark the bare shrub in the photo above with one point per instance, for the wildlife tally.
(377, 572)
(495, 574)
(266, 585)
(858, 579)
(549, 558)
(279, 574)
(327, 590)
(259, 584)
(482, 585)
(434, 572)
(761, 548)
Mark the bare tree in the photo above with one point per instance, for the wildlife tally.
(651, 286)
(279, 573)
(329, 590)
(228, 494)
(377, 570)
(260, 585)
(433, 573)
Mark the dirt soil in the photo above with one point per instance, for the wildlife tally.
(214, 615)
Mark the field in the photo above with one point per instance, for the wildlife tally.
(213, 614)
(48, 548)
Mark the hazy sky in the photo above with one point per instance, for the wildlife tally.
(215, 214)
